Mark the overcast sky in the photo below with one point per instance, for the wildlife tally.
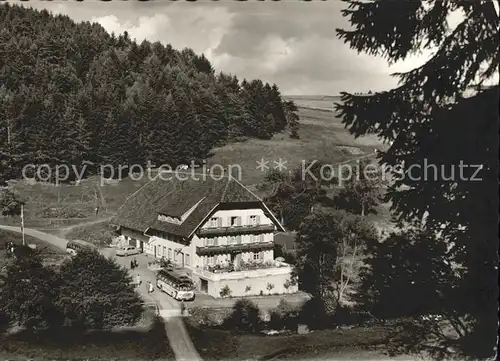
(292, 44)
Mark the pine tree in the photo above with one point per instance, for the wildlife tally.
(292, 118)
(72, 93)
(430, 118)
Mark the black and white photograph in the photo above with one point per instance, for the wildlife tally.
(249, 180)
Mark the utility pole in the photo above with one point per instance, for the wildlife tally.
(22, 223)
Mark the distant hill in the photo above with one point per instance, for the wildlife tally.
(72, 93)
(320, 102)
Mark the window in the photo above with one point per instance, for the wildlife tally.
(170, 253)
(258, 256)
(212, 241)
(214, 222)
(254, 220)
(232, 240)
(233, 221)
(211, 260)
(187, 259)
(238, 239)
(262, 238)
(253, 238)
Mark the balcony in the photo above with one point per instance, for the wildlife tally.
(229, 248)
(263, 270)
(221, 231)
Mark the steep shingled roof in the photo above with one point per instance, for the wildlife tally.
(173, 194)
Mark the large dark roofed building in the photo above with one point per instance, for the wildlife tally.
(207, 224)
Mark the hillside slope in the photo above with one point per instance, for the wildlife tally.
(72, 93)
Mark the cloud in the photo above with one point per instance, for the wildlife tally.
(292, 44)
(199, 29)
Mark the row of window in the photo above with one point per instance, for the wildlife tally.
(218, 241)
(233, 221)
(212, 260)
(161, 251)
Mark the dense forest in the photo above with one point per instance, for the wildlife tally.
(72, 93)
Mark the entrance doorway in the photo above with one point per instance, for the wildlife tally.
(236, 259)
(203, 285)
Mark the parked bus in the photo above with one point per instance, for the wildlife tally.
(74, 246)
(180, 287)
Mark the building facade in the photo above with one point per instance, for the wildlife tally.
(217, 230)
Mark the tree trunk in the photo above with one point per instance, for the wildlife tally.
(363, 209)
(8, 131)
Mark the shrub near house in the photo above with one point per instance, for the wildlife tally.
(245, 317)
(87, 291)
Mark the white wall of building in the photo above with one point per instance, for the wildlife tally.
(244, 214)
(248, 283)
(165, 247)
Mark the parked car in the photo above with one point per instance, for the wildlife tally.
(127, 251)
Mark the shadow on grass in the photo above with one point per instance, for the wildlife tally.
(67, 344)
(216, 343)
(212, 343)
(330, 342)
(436, 340)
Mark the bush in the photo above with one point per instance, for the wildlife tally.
(245, 317)
(284, 316)
(287, 284)
(225, 291)
(87, 291)
(165, 263)
(97, 293)
(317, 313)
(10, 203)
(28, 293)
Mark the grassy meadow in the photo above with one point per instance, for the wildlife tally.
(322, 137)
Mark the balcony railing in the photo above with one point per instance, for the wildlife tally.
(258, 228)
(229, 274)
(242, 247)
(243, 266)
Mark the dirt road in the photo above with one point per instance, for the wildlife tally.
(178, 337)
(64, 231)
